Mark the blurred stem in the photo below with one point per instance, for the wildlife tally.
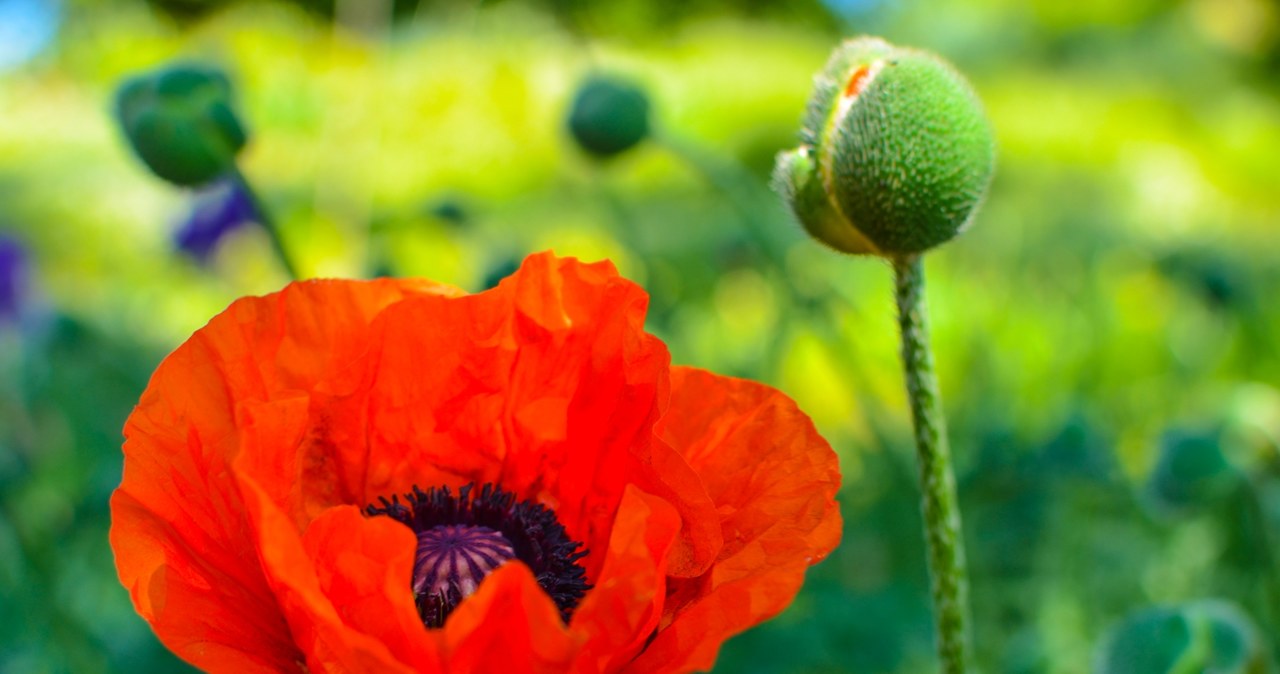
(268, 223)
(621, 224)
(947, 570)
(737, 185)
(1255, 512)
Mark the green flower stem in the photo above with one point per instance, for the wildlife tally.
(937, 480)
(268, 223)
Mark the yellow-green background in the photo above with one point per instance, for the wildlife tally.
(1106, 332)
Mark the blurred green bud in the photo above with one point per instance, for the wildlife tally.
(896, 155)
(608, 116)
(180, 122)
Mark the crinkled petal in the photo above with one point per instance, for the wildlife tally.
(774, 480)
(327, 644)
(170, 580)
(547, 385)
(619, 615)
(509, 625)
(182, 541)
(365, 566)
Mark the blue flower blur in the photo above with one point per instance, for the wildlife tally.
(219, 210)
(13, 280)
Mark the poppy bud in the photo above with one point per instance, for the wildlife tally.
(896, 155)
(608, 116)
(180, 122)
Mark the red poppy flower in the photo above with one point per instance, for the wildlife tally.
(318, 478)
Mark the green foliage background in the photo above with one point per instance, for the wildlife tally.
(1106, 332)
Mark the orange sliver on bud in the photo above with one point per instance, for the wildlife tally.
(857, 81)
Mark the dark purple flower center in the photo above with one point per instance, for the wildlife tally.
(463, 538)
(451, 561)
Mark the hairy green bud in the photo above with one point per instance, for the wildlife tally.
(180, 122)
(896, 152)
(608, 116)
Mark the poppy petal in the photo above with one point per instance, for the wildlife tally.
(774, 480)
(170, 580)
(364, 565)
(328, 644)
(668, 475)
(621, 612)
(509, 625)
(547, 385)
(178, 525)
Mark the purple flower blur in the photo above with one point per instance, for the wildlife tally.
(218, 211)
(13, 280)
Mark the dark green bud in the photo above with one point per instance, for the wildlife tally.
(897, 153)
(180, 122)
(608, 116)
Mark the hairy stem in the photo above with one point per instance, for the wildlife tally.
(947, 569)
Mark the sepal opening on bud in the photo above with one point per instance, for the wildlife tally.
(796, 177)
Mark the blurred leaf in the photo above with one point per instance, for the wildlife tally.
(1207, 636)
(1191, 472)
